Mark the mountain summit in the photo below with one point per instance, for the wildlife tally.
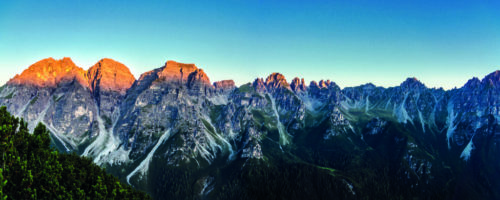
(49, 73)
(108, 74)
(182, 73)
(412, 83)
(492, 79)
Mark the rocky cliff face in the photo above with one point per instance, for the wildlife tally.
(225, 85)
(109, 75)
(49, 73)
(109, 81)
(173, 113)
(56, 93)
(68, 99)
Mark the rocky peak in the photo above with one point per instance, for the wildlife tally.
(412, 83)
(324, 84)
(224, 85)
(276, 80)
(368, 87)
(492, 79)
(259, 85)
(296, 85)
(49, 73)
(303, 86)
(110, 75)
(333, 85)
(472, 83)
(314, 85)
(179, 72)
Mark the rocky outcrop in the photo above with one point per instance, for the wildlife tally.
(224, 85)
(276, 81)
(49, 73)
(298, 85)
(109, 81)
(109, 75)
(252, 152)
(259, 85)
(180, 73)
(198, 79)
(375, 126)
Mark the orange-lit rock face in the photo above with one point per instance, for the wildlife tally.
(276, 80)
(224, 84)
(180, 72)
(298, 85)
(108, 74)
(324, 84)
(50, 72)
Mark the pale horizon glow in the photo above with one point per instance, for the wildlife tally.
(443, 44)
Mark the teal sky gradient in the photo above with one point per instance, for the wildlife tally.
(442, 43)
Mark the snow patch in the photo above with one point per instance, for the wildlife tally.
(98, 143)
(350, 186)
(204, 153)
(56, 133)
(213, 144)
(105, 146)
(144, 166)
(421, 120)
(400, 112)
(207, 186)
(115, 156)
(232, 154)
(466, 152)
(281, 128)
(450, 123)
(367, 104)
(387, 104)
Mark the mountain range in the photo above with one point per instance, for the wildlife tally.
(174, 133)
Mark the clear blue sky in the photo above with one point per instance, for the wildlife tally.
(442, 43)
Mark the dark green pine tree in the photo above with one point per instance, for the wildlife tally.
(31, 169)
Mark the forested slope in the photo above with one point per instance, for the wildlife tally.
(31, 169)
